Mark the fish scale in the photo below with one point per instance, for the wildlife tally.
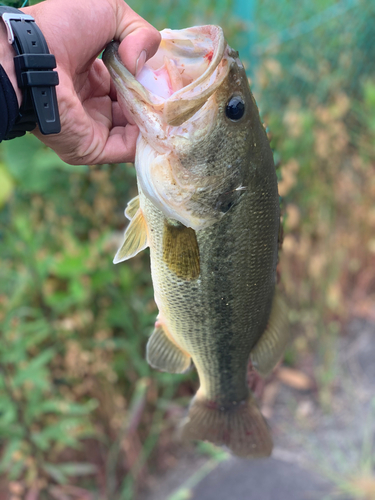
(213, 319)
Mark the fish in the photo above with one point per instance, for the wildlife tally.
(208, 209)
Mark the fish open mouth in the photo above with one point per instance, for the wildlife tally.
(178, 80)
(175, 101)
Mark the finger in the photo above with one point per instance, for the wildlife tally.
(138, 47)
(77, 31)
(120, 145)
(112, 91)
(136, 36)
(95, 82)
(118, 118)
(117, 147)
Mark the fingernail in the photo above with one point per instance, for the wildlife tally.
(140, 62)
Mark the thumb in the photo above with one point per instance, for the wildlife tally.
(139, 40)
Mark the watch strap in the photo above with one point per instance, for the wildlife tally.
(8, 104)
(35, 76)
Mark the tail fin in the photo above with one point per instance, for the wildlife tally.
(242, 427)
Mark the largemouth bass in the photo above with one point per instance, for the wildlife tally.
(208, 209)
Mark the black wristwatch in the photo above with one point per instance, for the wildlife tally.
(35, 76)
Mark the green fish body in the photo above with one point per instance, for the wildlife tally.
(208, 208)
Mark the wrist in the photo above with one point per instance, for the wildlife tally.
(7, 53)
(33, 72)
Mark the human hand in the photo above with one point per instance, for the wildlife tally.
(93, 128)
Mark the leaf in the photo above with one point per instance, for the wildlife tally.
(6, 185)
(13, 447)
(47, 159)
(75, 469)
(34, 372)
(60, 301)
(19, 155)
(181, 494)
(55, 472)
(35, 332)
(294, 378)
(16, 470)
(8, 411)
(101, 278)
(61, 472)
(66, 431)
(369, 94)
(64, 407)
(212, 451)
(33, 165)
(71, 265)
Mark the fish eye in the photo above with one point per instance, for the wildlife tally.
(235, 108)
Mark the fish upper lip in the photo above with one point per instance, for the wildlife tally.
(117, 69)
(219, 48)
(115, 66)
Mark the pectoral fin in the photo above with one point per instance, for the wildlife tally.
(164, 355)
(132, 208)
(181, 251)
(135, 238)
(270, 347)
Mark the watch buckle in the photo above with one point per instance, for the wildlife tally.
(7, 17)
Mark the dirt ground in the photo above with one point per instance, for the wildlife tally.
(320, 454)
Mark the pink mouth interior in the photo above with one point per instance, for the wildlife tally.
(156, 81)
(163, 76)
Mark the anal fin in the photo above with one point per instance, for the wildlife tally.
(271, 345)
(135, 238)
(164, 355)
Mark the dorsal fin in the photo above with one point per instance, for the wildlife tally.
(135, 238)
(271, 345)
